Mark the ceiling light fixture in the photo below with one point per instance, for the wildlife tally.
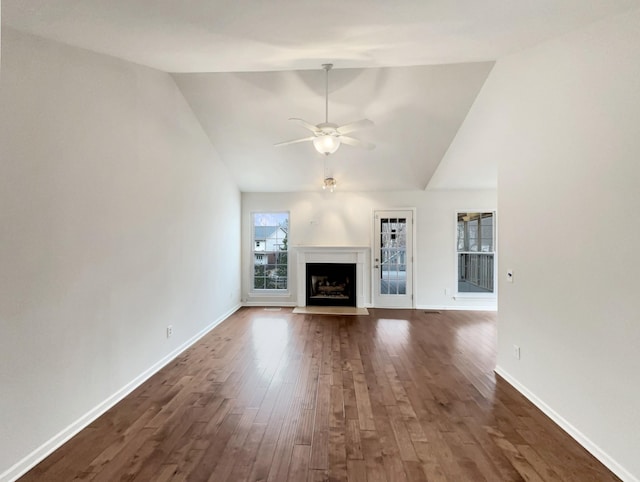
(329, 181)
(330, 184)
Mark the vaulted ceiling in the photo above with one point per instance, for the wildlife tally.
(414, 67)
(416, 110)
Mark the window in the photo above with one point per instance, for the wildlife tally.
(476, 252)
(270, 251)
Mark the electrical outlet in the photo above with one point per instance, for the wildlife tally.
(169, 331)
(516, 352)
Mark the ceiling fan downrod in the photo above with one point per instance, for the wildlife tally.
(327, 68)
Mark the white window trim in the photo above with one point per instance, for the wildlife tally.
(476, 295)
(264, 292)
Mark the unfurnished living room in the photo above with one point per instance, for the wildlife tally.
(301, 241)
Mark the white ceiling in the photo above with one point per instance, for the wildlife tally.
(254, 35)
(243, 103)
(417, 112)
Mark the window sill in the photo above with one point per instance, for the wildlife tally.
(476, 296)
(269, 294)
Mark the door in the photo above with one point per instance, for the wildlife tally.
(393, 259)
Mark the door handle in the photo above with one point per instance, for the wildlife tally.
(376, 266)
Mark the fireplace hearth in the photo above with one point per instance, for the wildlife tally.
(330, 284)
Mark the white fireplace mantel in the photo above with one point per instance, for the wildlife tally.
(358, 255)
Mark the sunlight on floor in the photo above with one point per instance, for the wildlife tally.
(393, 333)
(270, 337)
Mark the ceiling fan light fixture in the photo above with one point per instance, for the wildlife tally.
(326, 144)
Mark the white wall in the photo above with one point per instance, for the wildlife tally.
(117, 219)
(563, 119)
(346, 219)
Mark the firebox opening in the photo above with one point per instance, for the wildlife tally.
(331, 284)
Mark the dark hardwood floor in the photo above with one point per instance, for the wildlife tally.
(273, 396)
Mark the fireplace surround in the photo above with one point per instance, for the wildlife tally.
(356, 256)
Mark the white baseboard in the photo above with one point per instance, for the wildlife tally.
(579, 437)
(457, 308)
(370, 305)
(40, 453)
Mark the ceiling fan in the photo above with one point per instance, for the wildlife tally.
(328, 136)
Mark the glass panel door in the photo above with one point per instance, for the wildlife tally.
(393, 259)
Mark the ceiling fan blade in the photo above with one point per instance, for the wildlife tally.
(354, 126)
(305, 124)
(352, 141)
(295, 141)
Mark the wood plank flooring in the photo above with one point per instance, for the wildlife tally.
(397, 395)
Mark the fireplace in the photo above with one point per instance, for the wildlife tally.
(358, 256)
(331, 284)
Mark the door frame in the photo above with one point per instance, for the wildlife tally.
(413, 258)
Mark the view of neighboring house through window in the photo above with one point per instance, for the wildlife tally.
(476, 252)
(270, 251)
